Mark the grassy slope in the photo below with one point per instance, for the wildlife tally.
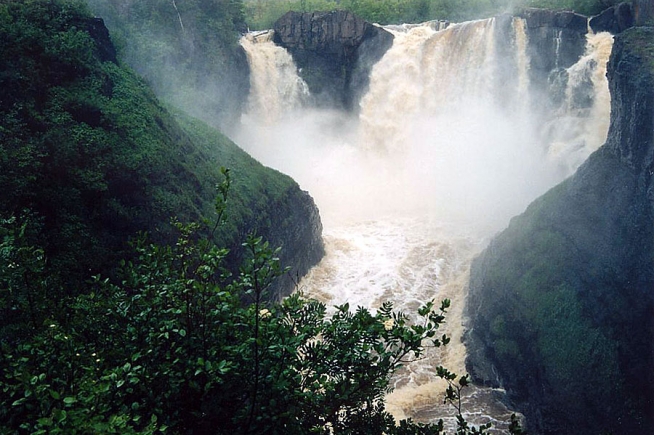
(91, 155)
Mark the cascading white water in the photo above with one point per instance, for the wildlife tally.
(445, 150)
(578, 129)
(276, 87)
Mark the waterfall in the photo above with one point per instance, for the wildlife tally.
(581, 123)
(446, 147)
(179, 17)
(276, 88)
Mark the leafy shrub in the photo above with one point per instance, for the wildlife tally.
(179, 344)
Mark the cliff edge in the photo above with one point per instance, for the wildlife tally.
(561, 303)
(334, 52)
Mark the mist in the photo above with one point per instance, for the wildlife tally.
(437, 134)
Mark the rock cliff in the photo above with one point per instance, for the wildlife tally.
(113, 161)
(614, 19)
(328, 48)
(561, 303)
(643, 12)
(556, 40)
(296, 228)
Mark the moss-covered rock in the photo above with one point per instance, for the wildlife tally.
(92, 156)
(561, 303)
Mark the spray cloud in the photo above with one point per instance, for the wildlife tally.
(445, 129)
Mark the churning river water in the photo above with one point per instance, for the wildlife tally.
(412, 186)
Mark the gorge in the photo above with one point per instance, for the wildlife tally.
(458, 128)
(504, 164)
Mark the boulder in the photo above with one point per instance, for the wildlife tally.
(614, 20)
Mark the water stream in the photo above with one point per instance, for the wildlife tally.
(444, 152)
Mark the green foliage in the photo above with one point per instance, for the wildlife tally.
(560, 300)
(90, 153)
(179, 345)
(187, 50)
(262, 14)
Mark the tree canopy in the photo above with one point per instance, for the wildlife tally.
(261, 14)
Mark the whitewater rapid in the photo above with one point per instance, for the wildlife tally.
(440, 157)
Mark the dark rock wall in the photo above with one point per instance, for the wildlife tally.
(327, 48)
(296, 227)
(105, 49)
(561, 304)
(615, 19)
(556, 41)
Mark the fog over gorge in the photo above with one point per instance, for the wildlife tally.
(451, 140)
(441, 132)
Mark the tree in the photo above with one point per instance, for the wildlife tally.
(180, 344)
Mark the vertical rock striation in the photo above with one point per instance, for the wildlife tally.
(615, 19)
(561, 304)
(327, 48)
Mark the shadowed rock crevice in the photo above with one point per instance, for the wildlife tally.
(328, 48)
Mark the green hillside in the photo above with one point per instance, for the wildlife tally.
(187, 51)
(89, 157)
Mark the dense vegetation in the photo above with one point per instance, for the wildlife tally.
(187, 51)
(173, 348)
(565, 294)
(89, 157)
(261, 14)
(171, 338)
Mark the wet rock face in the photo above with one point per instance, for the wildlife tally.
(614, 20)
(105, 48)
(561, 303)
(643, 12)
(297, 229)
(327, 48)
(631, 135)
(556, 40)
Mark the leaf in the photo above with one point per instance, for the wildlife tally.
(69, 400)
(18, 402)
(60, 415)
(45, 421)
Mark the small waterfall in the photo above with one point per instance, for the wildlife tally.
(276, 88)
(522, 63)
(444, 150)
(557, 47)
(581, 122)
(179, 17)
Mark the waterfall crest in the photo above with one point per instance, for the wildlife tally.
(451, 140)
(276, 88)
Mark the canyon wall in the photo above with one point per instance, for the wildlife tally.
(561, 304)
